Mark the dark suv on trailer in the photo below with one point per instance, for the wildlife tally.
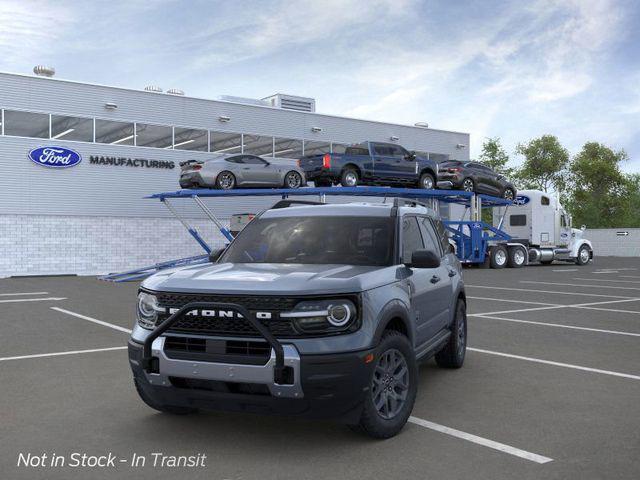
(475, 177)
(314, 310)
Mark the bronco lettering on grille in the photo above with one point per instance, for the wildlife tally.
(221, 313)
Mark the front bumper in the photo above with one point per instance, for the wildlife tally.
(317, 386)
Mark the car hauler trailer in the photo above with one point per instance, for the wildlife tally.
(541, 231)
(475, 242)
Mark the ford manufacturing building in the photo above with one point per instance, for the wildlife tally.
(91, 218)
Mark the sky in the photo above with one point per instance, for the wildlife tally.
(509, 69)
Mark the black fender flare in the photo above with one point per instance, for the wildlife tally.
(392, 310)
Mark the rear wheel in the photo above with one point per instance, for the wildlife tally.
(468, 185)
(427, 181)
(393, 387)
(349, 178)
(293, 180)
(499, 256)
(175, 410)
(225, 180)
(508, 194)
(452, 355)
(517, 257)
(584, 255)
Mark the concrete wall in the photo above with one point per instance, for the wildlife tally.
(612, 242)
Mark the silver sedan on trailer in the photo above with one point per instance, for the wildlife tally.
(241, 170)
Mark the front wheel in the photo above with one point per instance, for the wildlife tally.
(393, 387)
(293, 180)
(584, 255)
(508, 194)
(427, 182)
(452, 355)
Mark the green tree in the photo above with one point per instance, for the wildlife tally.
(600, 194)
(494, 156)
(545, 164)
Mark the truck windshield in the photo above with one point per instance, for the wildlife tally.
(315, 240)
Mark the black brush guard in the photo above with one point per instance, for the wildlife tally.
(147, 358)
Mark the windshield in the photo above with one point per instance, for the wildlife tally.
(315, 240)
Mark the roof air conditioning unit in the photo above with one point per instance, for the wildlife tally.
(153, 88)
(292, 102)
(175, 91)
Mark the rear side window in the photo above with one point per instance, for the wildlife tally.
(383, 150)
(517, 220)
(411, 238)
(431, 241)
(544, 201)
(238, 159)
(357, 151)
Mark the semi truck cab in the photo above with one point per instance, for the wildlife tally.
(539, 223)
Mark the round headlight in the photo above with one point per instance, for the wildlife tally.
(147, 310)
(339, 315)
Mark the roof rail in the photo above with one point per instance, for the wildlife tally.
(408, 202)
(289, 202)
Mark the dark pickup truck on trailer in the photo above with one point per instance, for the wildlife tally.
(313, 310)
(371, 163)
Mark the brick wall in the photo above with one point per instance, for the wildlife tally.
(612, 241)
(51, 245)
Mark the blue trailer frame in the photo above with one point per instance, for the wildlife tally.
(472, 237)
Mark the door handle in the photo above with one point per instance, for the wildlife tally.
(435, 279)
(452, 273)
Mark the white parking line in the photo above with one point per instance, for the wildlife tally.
(581, 285)
(547, 291)
(20, 300)
(629, 276)
(588, 306)
(605, 280)
(511, 301)
(558, 325)
(93, 320)
(27, 293)
(566, 270)
(57, 354)
(533, 457)
(556, 364)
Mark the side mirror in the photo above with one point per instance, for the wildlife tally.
(410, 156)
(424, 259)
(215, 255)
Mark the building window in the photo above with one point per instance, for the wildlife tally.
(258, 145)
(115, 133)
(316, 148)
(190, 139)
(26, 124)
(338, 147)
(287, 148)
(157, 136)
(71, 128)
(225, 142)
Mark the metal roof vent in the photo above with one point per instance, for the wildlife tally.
(153, 88)
(44, 71)
(175, 91)
(291, 102)
(422, 124)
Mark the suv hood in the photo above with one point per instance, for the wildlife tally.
(269, 278)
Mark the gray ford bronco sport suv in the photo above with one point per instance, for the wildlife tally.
(318, 310)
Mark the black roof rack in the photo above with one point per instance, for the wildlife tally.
(289, 202)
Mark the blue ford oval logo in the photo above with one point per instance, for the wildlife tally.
(56, 157)
(521, 200)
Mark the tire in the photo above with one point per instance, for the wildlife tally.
(427, 182)
(172, 409)
(292, 180)
(468, 185)
(387, 419)
(584, 255)
(517, 257)
(499, 256)
(349, 178)
(452, 355)
(225, 180)
(508, 194)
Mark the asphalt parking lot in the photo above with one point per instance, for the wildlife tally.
(550, 389)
